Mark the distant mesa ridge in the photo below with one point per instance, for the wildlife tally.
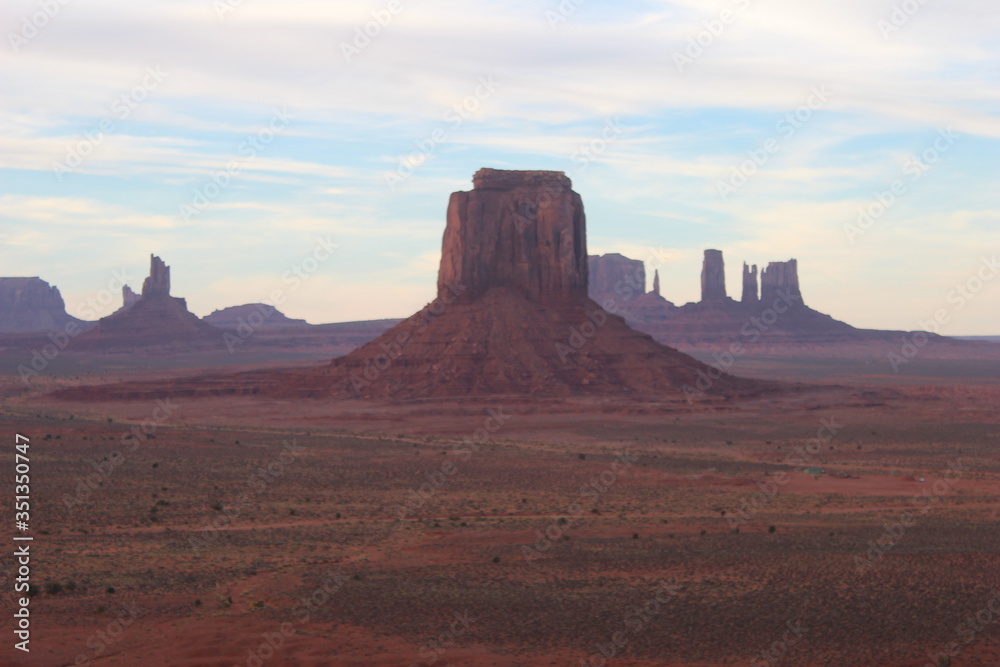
(152, 319)
(31, 305)
(511, 318)
(257, 315)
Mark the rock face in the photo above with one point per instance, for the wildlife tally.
(781, 278)
(713, 277)
(31, 305)
(257, 315)
(778, 316)
(158, 282)
(512, 314)
(511, 318)
(656, 282)
(153, 320)
(128, 297)
(750, 293)
(614, 276)
(523, 230)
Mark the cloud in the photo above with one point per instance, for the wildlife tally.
(655, 185)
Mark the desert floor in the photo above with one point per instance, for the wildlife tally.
(549, 532)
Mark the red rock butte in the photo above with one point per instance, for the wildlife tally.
(523, 230)
(512, 317)
(152, 319)
(512, 314)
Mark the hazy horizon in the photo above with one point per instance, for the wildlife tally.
(329, 136)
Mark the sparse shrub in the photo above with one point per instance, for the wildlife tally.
(217, 507)
(582, 457)
(496, 559)
(156, 465)
(110, 590)
(197, 603)
(771, 529)
(33, 590)
(70, 585)
(635, 536)
(101, 608)
(53, 588)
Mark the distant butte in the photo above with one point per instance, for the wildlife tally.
(153, 319)
(511, 318)
(31, 305)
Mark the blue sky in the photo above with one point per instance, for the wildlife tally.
(647, 106)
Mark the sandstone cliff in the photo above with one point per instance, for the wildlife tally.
(713, 277)
(31, 305)
(780, 278)
(523, 230)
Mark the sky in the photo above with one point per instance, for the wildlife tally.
(306, 149)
